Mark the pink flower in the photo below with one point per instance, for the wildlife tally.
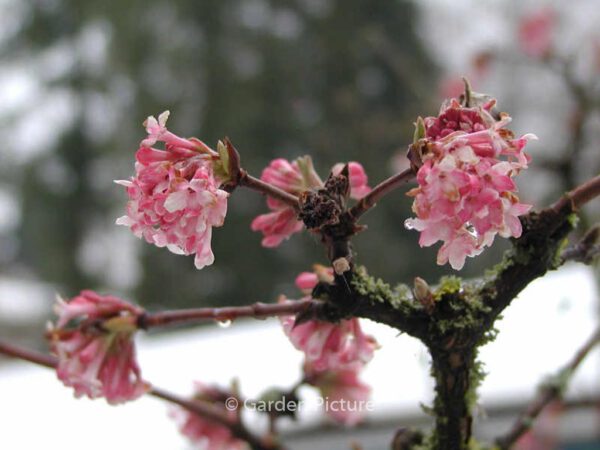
(293, 177)
(451, 86)
(174, 197)
(157, 132)
(345, 395)
(93, 342)
(454, 117)
(466, 193)
(328, 345)
(278, 225)
(208, 434)
(535, 32)
(296, 177)
(544, 435)
(306, 281)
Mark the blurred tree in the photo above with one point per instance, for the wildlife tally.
(341, 80)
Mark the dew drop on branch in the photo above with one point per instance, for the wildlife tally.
(224, 323)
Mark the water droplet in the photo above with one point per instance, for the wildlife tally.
(224, 323)
(472, 231)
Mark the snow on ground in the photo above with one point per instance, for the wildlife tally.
(539, 333)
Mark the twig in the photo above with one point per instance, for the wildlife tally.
(379, 191)
(28, 355)
(547, 394)
(268, 189)
(216, 415)
(586, 250)
(257, 310)
(207, 411)
(202, 409)
(535, 252)
(579, 196)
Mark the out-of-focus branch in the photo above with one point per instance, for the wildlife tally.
(549, 391)
(217, 415)
(207, 411)
(579, 196)
(586, 250)
(257, 310)
(585, 103)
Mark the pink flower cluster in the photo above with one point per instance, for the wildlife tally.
(174, 197)
(338, 386)
(93, 342)
(535, 32)
(334, 353)
(328, 345)
(206, 433)
(466, 193)
(296, 177)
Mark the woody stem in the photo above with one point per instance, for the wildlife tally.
(382, 189)
(257, 310)
(268, 189)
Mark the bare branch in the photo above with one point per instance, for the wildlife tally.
(268, 189)
(379, 191)
(536, 251)
(549, 392)
(586, 250)
(28, 355)
(579, 196)
(257, 310)
(208, 411)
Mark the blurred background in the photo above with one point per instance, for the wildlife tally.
(339, 80)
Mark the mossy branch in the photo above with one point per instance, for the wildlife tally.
(457, 318)
(360, 295)
(538, 250)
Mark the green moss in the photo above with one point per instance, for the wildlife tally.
(427, 409)
(507, 261)
(461, 310)
(448, 285)
(573, 220)
(378, 290)
(474, 444)
(559, 381)
(489, 335)
(557, 260)
(402, 291)
(427, 444)
(476, 377)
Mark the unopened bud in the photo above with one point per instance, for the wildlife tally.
(341, 266)
(422, 293)
(419, 130)
(222, 150)
(310, 178)
(124, 323)
(323, 273)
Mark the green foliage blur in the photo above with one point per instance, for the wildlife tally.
(339, 80)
